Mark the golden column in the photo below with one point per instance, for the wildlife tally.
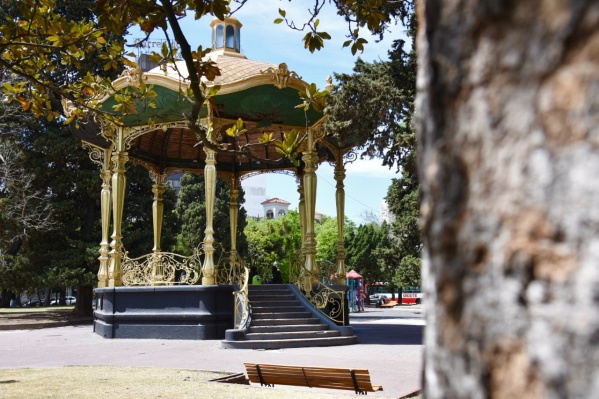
(105, 194)
(210, 185)
(310, 159)
(119, 159)
(233, 215)
(158, 277)
(340, 197)
(157, 208)
(302, 211)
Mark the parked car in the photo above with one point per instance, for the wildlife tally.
(33, 303)
(68, 300)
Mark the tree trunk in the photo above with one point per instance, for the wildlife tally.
(508, 126)
(5, 297)
(83, 307)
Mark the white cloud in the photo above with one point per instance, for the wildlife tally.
(372, 168)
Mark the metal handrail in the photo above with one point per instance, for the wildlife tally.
(243, 310)
(330, 302)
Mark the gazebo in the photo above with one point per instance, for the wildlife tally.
(133, 293)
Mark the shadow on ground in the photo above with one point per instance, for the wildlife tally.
(388, 334)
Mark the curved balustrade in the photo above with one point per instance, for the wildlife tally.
(327, 300)
(243, 309)
(231, 269)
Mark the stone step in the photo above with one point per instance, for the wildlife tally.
(277, 315)
(281, 321)
(284, 335)
(272, 299)
(268, 288)
(287, 328)
(290, 343)
(276, 308)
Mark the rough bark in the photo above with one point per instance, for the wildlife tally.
(508, 126)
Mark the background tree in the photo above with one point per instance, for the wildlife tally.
(361, 244)
(274, 240)
(376, 104)
(401, 258)
(66, 255)
(138, 230)
(23, 210)
(191, 215)
(326, 239)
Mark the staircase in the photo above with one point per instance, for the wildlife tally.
(282, 318)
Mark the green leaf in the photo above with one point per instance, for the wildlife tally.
(213, 91)
(278, 20)
(324, 35)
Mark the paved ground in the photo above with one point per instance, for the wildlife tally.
(390, 346)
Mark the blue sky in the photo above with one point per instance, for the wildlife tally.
(367, 182)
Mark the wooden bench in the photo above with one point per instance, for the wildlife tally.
(357, 380)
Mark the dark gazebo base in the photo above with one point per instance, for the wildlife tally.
(173, 312)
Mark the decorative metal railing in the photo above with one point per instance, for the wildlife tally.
(162, 268)
(231, 269)
(243, 309)
(327, 300)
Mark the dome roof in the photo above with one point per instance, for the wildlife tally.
(263, 95)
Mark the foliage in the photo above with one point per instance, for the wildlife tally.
(66, 254)
(327, 237)
(361, 243)
(191, 216)
(75, 57)
(273, 240)
(138, 221)
(374, 15)
(373, 107)
(42, 41)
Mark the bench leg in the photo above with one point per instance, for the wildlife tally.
(356, 386)
(262, 382)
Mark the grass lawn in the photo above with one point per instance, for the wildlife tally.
(59, 309)
(133, 383)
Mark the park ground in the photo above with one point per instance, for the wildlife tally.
(46, 352)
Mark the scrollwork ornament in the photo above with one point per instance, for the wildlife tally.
(318, 132)
(281, 75)
(328, 301)
(157, 178)
(162, 268)
(95, 154)
(133, 76)
(350, 157)
(108, 130)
